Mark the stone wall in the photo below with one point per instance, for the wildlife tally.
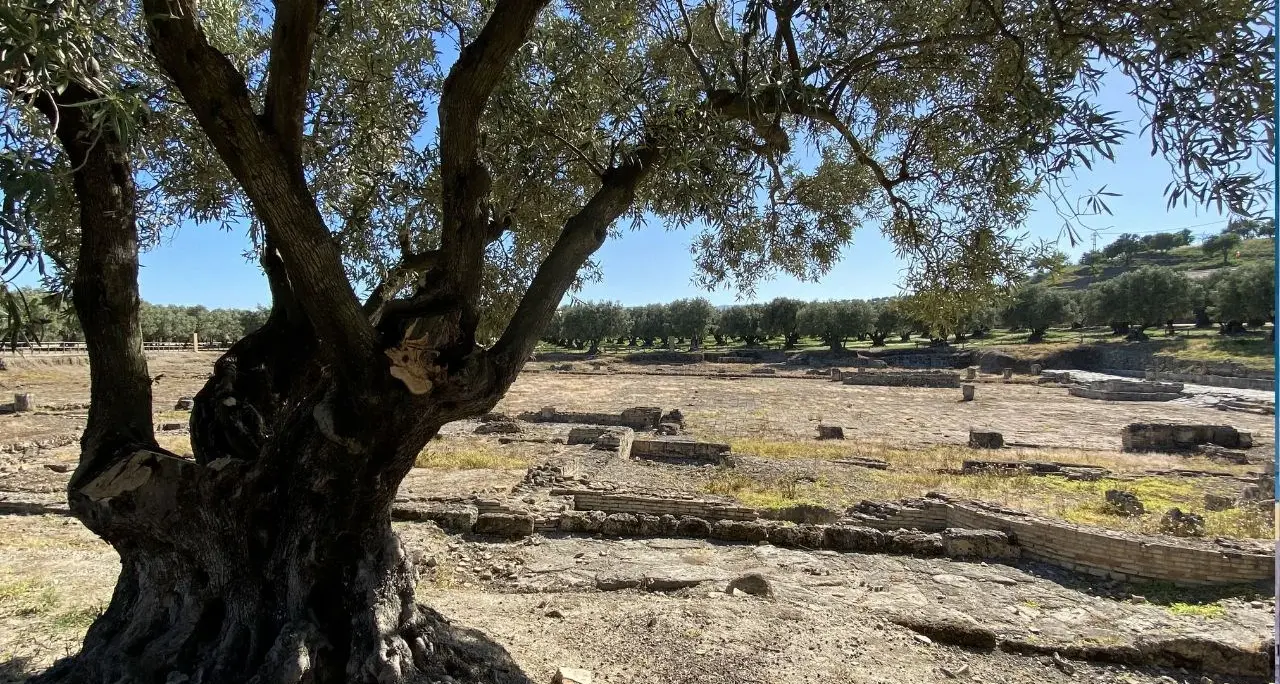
(1263, 384)
(1094, 551)
(637, 418)
(903, 379)
(665, 357)
(638, 503)
(679, 450)
(1181, 436)
(1127, 390)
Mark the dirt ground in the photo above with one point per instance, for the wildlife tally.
(833, 617)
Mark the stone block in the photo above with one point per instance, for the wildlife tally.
(798, 536)
(582, 522)
(184, 404)
(510, 525)
(915, 543)
(679, 450)
(830, 432)
(1217, 502)
(693, 527)
(572, 675)
(850, 538)
(977, 544)
(985, 439)
(752, 583)
(740, 531)
(966, 392)
(456, 518)
(1180, 524)
(497, 427)
(621, 525)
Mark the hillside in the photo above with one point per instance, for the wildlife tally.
(1190, 259)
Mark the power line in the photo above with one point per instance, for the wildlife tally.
(1161, 230)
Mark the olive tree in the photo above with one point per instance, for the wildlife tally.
(779, 320)
(593, 322)
(744, 321)
(1247, 293)
(834, 321)
(690, 318)
(1037, 307)
(424, 182)
(888, 320)
(1221, 243)
(650, 322)
(1139, 299)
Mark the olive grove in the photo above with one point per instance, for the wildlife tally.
(424, 182)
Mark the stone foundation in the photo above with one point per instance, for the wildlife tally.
(637, 418)
(679, 450)
(1181, 437)
(1093, 551)
(903, 378)
(1127, 390)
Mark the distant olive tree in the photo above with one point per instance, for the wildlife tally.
(1247, 293)
(1036, 308)
(1223, 244)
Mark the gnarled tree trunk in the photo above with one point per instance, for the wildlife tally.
(270, 557)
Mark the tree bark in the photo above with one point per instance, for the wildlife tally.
(271, 557)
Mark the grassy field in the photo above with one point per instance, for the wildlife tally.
(1251, 349)
(1189, 258)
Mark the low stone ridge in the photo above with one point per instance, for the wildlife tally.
(1117, 389)
(498, 427)
(1038, 468)
(934, 526)
(680, 450)
(946, 627)
(1259, 407)
(636, 418)
(903, 378)
(607, 502)
(1181, 437)
(861, 462)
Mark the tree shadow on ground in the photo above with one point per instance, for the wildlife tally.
(15, 670)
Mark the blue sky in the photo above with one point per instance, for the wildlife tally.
(204, 265)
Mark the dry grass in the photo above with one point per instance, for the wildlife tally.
(775, 493)
(914, 472)
(29, 598)
(177, 443)
(469, 455)
(951, 456)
